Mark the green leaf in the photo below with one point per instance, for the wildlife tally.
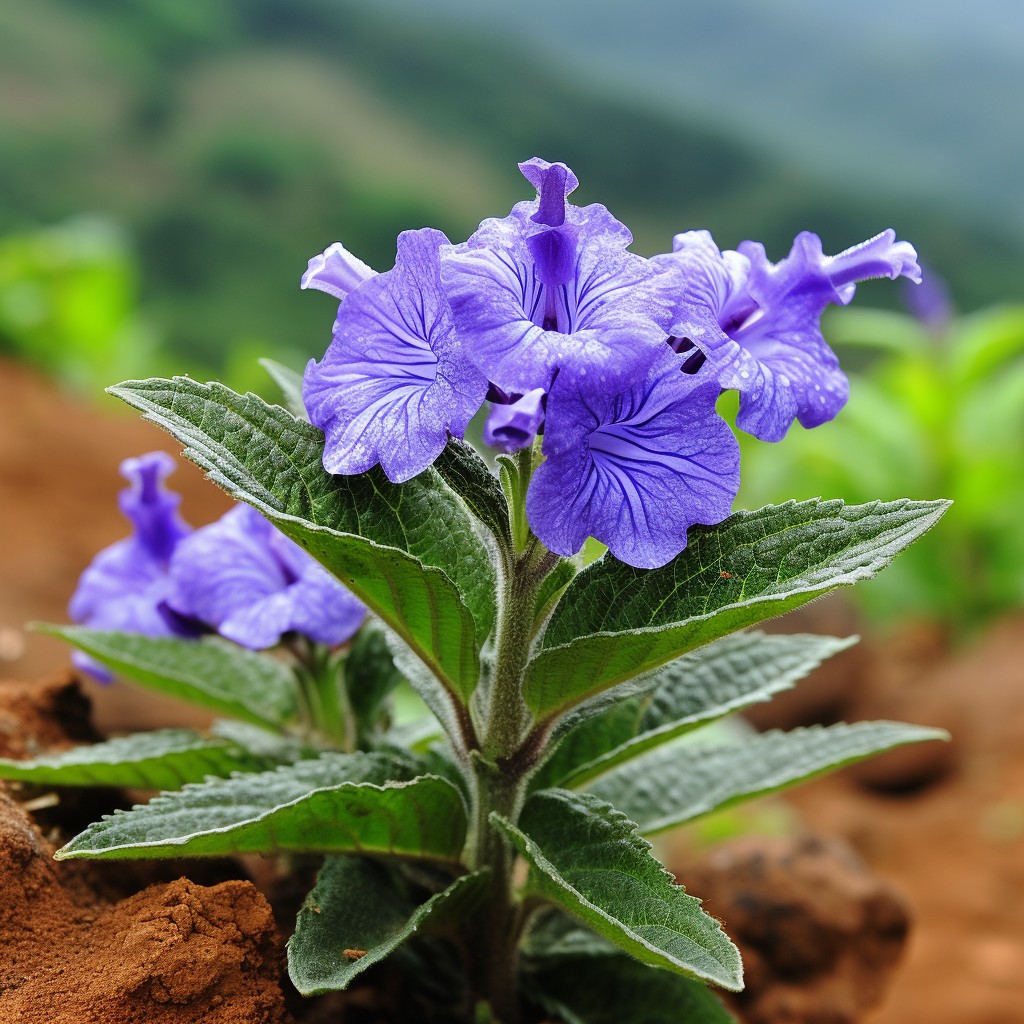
(269, 747)
(469, 477)
(340, 803)
(451, 713)
(618, 989)
(409, 551)
(210, 672)
(553, 587)
(555, 934)
(162, 759)
(724, 676)
(367, 910)
(673, 784)
(615, 622)
(370, 676)
(290, 385)
(588, 859)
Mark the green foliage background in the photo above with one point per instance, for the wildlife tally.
(234, 138)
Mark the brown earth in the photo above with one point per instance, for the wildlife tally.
(177, 953)
(943, 826)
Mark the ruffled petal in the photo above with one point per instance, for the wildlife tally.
(336, 271)
(513, 425)
(395, 381)
(535, 299)
(225, 566)
(149, 506)
(242, 577)
(634, 468)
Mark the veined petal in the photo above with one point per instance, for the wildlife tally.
(395, 381)
(608, 304)
(759, 322)
(634, 468)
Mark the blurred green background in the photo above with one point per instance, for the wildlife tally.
(167, 167)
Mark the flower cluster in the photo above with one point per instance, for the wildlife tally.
(239, 576)
(616, 360)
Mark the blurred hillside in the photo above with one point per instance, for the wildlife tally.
(235, 138)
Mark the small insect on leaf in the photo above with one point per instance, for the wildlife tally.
(353, 954)
(723, 575)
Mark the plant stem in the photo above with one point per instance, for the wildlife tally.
(324, 695)
(499, 777)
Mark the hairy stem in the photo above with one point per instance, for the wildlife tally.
(499, 776)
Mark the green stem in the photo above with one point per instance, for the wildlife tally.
(499, 776)
(324, 696)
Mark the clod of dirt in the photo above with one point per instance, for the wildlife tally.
(820, 935)
(36, 718)
(176, 953)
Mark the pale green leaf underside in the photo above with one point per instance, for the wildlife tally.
(341, 803)
(409, 551)
(673, 784)
(615, 622)
(210, 672)
(616, 989)
(360, 906)
(588, 859)
(715, 680)
(289, 383)
(162, 759)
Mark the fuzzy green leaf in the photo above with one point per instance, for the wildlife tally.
(469, 477)
(588, 859)
(673, 784)
(554, 586)
(724, 676)
(617, 989)
(366, 910)
(615, 622)
(409, 551)
(162, 759)
(210, 672)
(340, 803)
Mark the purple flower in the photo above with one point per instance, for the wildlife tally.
(336, 271)
(633, 467)
(758, 322)
(126, 585)
(514, 420)
(396, 381)
(244, 578)
(551, 286)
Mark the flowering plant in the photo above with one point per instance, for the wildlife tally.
(501, 841)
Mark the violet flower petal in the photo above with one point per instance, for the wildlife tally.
(551, 285)
(759, 322)
(248, 581)
(514, 425)
(395, 381)
(634, 468)
(336, 271)
(126, 585)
